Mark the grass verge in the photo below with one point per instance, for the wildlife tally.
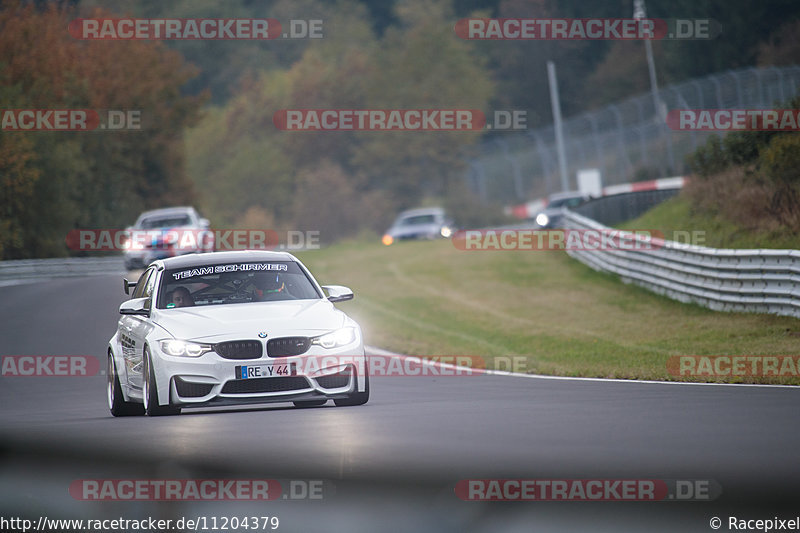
(680, 222)
(427, 298)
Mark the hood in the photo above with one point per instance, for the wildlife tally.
(236, 321)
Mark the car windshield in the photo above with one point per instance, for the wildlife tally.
(417, 220)
(234, 283)
(166, 222)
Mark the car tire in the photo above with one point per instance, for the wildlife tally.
(150, 391)
(309, 403)
(356, 398)
(116, 401)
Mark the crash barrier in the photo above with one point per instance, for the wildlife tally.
(612, 210)
(530, 209)
(22, 269)
(759, 281)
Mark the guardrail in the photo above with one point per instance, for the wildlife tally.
(26, 269)
(530, 209)
(760, 281)
(611, 210)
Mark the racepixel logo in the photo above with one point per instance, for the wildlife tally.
(599, 29)
(193, 29)
(734, 119)
(546, 240)
(69, 119)
(379, 120)
(587, 490)
(50, 366)
(734, 365)
(198, 489)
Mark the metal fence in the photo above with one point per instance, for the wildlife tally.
(760, 281)
(628, 141)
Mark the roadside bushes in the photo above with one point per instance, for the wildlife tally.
(752, 178)
(780, 163)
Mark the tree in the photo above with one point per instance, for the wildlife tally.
(100, 178)
(240, 160)
(422, 65)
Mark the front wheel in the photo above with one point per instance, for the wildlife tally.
(150, 392)
(356, 398)
(116, 401)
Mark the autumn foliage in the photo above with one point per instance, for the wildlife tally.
(55, 181)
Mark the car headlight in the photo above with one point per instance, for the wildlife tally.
(542, 219)
(179, 348)
(446, 231)
(340, 337)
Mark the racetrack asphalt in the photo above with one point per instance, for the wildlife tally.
(394, 461)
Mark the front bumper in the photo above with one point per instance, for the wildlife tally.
(213, 380)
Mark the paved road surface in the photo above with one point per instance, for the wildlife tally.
(393, 462)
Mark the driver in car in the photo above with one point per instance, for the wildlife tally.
(269, 287)
(181, 297)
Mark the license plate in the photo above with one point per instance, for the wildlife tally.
(265, 371)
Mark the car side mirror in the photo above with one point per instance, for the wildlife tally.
(127, 285)
(137, 306)
(338, 293)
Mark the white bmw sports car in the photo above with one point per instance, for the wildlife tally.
(227, 328)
